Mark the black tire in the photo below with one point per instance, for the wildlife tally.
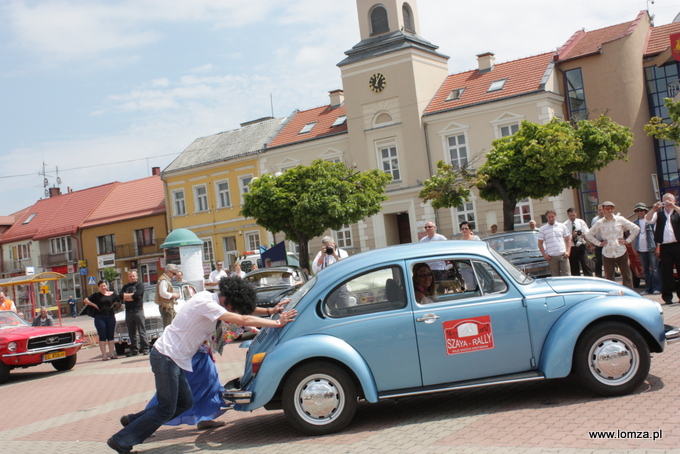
(329, 391)
(120, 349)
(611, 359)
(4, 373)
(65, 363)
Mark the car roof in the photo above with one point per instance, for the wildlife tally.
(505, 234)
(280, 269)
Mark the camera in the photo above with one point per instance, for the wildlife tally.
(662, 204)
(330, 250)
(579, 232)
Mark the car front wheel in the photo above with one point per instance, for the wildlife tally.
(319, 398)
(612, 359)
(65, 363)
(4, 373)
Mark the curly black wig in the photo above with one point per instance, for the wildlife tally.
(239, 293)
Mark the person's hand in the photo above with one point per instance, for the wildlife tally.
(279, 307)
(603, 243)
(546, 257)
(621, 241)
(657, 206)
(566, 255)
(288, 316)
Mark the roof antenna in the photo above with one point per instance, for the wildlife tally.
(271, 101)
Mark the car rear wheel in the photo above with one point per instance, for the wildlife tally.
(4, 373)
(319, 398)
(65, 363)
(612, 359)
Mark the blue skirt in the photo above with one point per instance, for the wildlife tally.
(206, 388)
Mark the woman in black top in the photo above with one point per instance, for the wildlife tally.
(104, 319)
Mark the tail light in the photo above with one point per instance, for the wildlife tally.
(257, 362)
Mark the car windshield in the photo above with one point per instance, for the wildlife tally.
(514, 244)
(9, 319)
(150, 293)
(272, 278)
(510, 268)
(297, 296)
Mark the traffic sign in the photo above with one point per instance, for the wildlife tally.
(91, 280)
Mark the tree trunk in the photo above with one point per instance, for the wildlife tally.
(509, 205)
(303, 242)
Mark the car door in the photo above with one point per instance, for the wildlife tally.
(474, 326)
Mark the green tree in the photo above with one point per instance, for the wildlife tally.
(306, 200)
(110, 275)
(668, 131)
(537, 161)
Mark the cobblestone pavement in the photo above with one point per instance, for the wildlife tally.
(44, 411)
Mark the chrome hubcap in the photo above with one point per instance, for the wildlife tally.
(319, 399)
(614, 359)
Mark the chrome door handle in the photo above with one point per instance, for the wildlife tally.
(428, 318)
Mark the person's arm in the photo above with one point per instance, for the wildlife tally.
(542, 249)
(567, 242)
(590, 236)
(632, 227)
(164, 292)
(90, 303)
(651, 214)
(318, 263)
(259, 322)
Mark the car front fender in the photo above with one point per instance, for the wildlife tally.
(558, 349)
(280, 360)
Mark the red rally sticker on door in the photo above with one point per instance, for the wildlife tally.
(468, 335)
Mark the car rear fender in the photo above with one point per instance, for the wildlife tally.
(284, 357)
(558, 349)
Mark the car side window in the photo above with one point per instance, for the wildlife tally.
(490, 281)
(375, 291)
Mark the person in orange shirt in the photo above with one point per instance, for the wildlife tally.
(6, 304)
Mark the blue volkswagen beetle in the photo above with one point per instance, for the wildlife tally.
(376, 326)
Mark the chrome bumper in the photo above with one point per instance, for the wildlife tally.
(672, 333)
(236, 395)
(45, 349)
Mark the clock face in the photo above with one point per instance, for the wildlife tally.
(377, 82)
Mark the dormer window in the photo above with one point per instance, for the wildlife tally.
(339, 121)
(29, 219)
(308, 127)
(497, 85)
(455, 94)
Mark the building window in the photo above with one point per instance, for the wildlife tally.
(390, 161)
(497, 85)
(144, 237)
(343, 237)
(509, 130)
(408, 18)
(379, 23)
(306, 128)
(200, 198)
(60, 245)
(222, 194)
(253, 241)
(458, 156)
(588, 195)
(208, 251)
(339, 121)
(29, 218)
(575, 94)
(178, 203)
(465, 212)
(455, 94)
(21, 252)
(244, 185)
(106, 244)
(523, 212)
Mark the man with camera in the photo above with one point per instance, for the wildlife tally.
(328, 255)
(665, 215)
(577, 257)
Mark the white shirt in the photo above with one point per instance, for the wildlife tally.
(668, 233)
(165, 289)
(441, 265)
(240, 274)
(642, 241)
(578, 224)
(193, 324)
(553, 237)
(328, 260)
(612, 231)
(216, 275)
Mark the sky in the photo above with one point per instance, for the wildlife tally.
(98, 91)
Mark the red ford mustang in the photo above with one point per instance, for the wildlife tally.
(22, 345)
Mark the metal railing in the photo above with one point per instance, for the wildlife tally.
(136, 250)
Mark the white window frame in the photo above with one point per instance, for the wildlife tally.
(465, 212)
(519, 213)
(208, 250)
(179, 205)
(60, 245)
(287, 164)
(221, 194)
(339, 121)
(201, 199)
(252, 240)
(332, 155)
(343, 237)
(497, 85)
(307, 128)
(461, 149)
(508, 119)
(244, 188)
(510, 131)
(389, 145)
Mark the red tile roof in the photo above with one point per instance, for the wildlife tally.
(523, 76)
(324, 117)
(584, 43)
(659, 38)
(130, 200)
(56, 216)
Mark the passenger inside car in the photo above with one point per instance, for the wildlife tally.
(423, 283)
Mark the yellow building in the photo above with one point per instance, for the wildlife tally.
(204, 188)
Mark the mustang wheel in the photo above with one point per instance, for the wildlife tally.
(65, 363)
(319, 398)
(4, 373)
(612, 359)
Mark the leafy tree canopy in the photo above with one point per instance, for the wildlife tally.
(306, 200)
(668, 131)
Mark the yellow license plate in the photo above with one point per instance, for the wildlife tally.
(54, 355)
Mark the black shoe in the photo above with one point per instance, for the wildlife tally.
(668, 301)
(113, 445)
(129, 354)
(124, 420)
(145, 352)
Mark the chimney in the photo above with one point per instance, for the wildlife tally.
(155, 170)
(55, 192)
(337, 98)
(485, 62)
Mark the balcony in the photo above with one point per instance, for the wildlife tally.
(61, 258)
(16, 266)
(134, 250)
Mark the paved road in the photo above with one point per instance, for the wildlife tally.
(75, 412)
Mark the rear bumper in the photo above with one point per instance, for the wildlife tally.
(236, 395)
(672, 333)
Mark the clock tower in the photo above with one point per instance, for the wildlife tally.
(388, 79)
